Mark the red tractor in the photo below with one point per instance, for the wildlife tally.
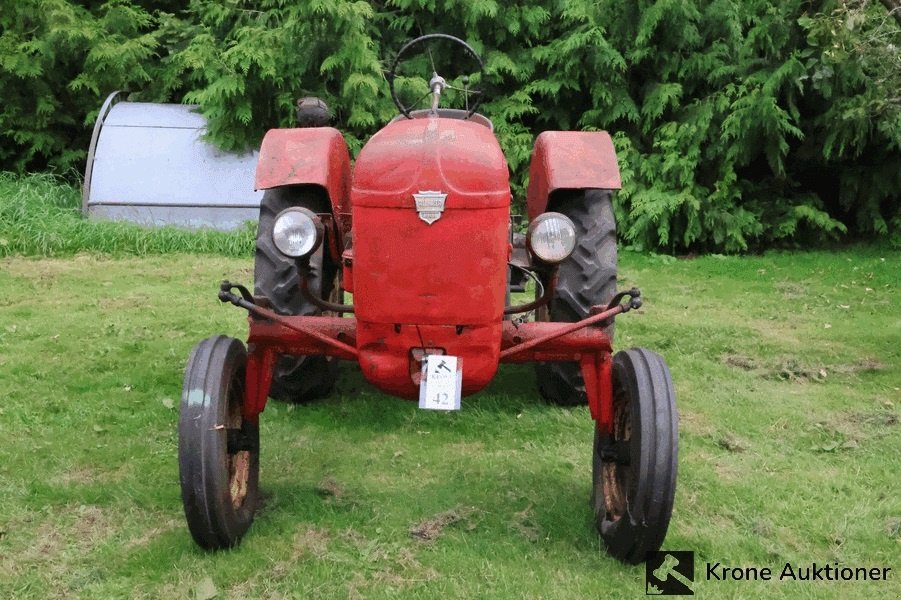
(420, 232)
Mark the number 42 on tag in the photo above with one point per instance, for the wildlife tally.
(442, 378)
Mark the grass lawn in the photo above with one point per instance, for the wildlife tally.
(786, 368)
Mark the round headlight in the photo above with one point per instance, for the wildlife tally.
(551, 237)
(297, 232)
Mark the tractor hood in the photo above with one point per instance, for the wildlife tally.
(459, 158)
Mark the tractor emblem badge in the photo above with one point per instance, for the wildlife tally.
(430, 205)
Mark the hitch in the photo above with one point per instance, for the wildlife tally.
(634, 299)
(598, 315)
(226, 295)
(247, 302)
(634, 302)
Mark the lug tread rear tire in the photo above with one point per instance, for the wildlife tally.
(296, 378)
(585, 279)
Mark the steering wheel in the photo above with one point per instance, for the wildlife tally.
(437, 80)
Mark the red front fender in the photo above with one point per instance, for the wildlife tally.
(570, 160)
(308, 156)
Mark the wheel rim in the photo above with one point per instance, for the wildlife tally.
(617, 477)
(239, 460)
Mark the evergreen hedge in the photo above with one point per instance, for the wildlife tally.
(739, 124)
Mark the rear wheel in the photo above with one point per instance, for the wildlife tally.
(218, 452)
(295, 378)
(585, 279)
(634, 469)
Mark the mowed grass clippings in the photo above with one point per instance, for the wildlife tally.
(786, 368)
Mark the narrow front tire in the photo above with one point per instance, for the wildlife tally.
(218, 451)
(634, 469)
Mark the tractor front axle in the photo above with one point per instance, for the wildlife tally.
(584, 342)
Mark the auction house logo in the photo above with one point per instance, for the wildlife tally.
(670, 573)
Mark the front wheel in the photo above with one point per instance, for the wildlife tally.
(634, 469)
(218, 452)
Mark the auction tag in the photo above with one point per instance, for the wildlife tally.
(442, 379)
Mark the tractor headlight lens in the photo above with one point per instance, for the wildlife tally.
(551, 237)
(297, 232)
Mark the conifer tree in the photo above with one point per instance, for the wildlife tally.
(739, 124)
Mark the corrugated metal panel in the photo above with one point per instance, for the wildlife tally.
(151, 165)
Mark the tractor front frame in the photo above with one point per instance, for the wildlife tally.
(583, 342)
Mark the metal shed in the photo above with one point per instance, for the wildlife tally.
(149, 163)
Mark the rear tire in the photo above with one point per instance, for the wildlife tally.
(218, 452)
(634, 470)
(295, 378)
(585, 279)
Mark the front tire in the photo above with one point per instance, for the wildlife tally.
(218, 452)
(634, 470)
(295, 378)
(585, 279)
